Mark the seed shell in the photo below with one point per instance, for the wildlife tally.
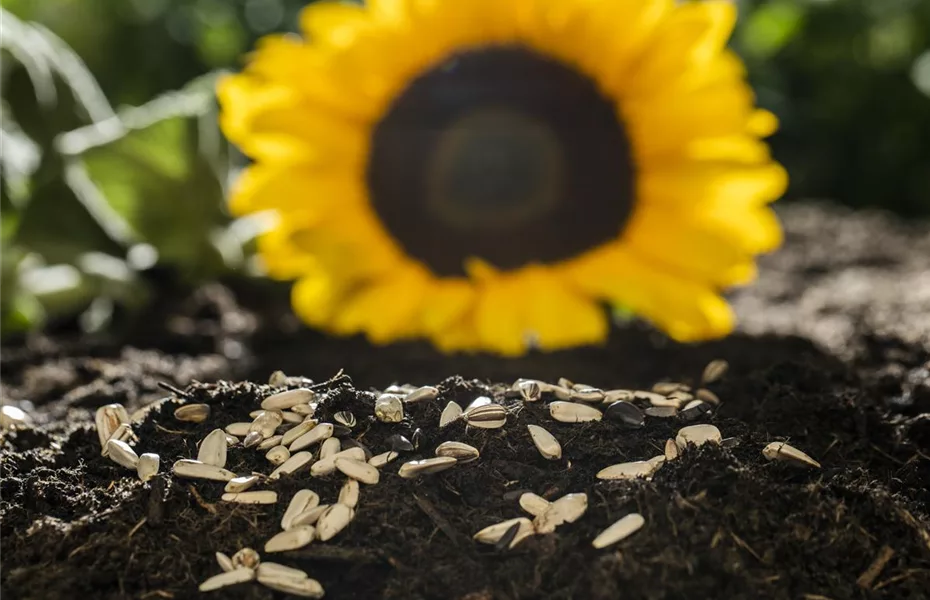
(336, 518)
(460, 451)
(671, 450)
(382, 459)
(240, 484)
(310, 516)
(493, 533)
(147, 467)
(122, 454)
(625, 413)
(698, 435)
(545, 442)
(293, 539)
(268, 444)
(224, 562)
(260, 497)
(572, 412)
(246, 557)
(428, 466)
(194, 469)
(450, 413)
(192, 413)
(278, 455)
(240, 575)
(619, 531)
(389, 408)
(567, 509)
(533, 504)
(628, 470)
(422, 394)
(292, 434)
(238, 429)
(302, 500)
(317, 434)
(213, 449)
(346, 418)
(294, 463)
(714, 371)
(784, 452)
(349, 493)
(359, 470)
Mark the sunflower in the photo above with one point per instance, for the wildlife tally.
(492, 174)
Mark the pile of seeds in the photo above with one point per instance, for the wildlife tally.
(288, 429)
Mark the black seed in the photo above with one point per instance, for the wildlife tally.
(341, 430)
(625, 413)
(695, 412)
(400, 444)
(508, 537)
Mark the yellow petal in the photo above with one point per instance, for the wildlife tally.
(282, 258)
(448, 301)
(386, 309)
(620, 33)
(557, 315)
(293, 188)
(333, 23)
(499, 317)
(719, 186)
(315, 297)
(762, 123)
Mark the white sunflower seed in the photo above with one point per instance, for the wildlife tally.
(784, 452)
(586, 394)
(292, 417)
(108, 418)
(194, 469)
(349, 493)
(334, 520)
(291, 465)
(302, 501)
(629, 470)
(692, 404)
(681, 395)
(487, 416)
(657, 399)
(147, 467)
(123, 433)
(714, 370)
(309, 516)
(533, 504)
(238, 429)
(294, 538)
(255, 413)
(346, 418)
(317, 434)
(566, 383)
(428, 466)
(698, 435)
(304, 587)
(12, 416)
(382, 459)
(292, 434)
(567, 509)
(329, 447)
(657, 461)
(266, 423)
(665, 387)
(278, 455)
(611, 396)
(193, 413)
(275, 440)
(389, 408)
(450, 413)
(277, 379)
(307, 410)
(478, 403)
(213, 449)
(222, 580)
(224, 562)
(571, 412)
(460, 451)
(561, 392)
(288, 399)
(661, 412)
(270, 568)
(231, 440)
(252, 439)
(246, 557)
(359, 470)
(259, 497)
(619, 531)
(240, 484)
(707, 396)
(327, 465)
(122, 454)
(545, 442)
(493, 533)
(422, 394)
(671, 450)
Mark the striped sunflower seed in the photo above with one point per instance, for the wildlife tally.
(293, 539)
(240, 575)
(246, 557)
(336, 518)
(450, 413)
(346, 418)
(224, 562)
(240, 484)
(489, 416)
(428, 466)
(122, 454)
(382, 459)
(572, 412)
(194, 469)
(147, 467)
(213, 449)
(529, 390)
(292, 434)
(698, 435)
(296, 462)
(238, 429)
(314, 436)
(107, 419)
(460, 451)
(349, 493)
(783, 452)
(288, 399)
(302, 501)
(619, 531)
(478, 403)
(671, 450)
(714, 371)
(304, 587)
(545, 442)
(422, 394)
(359, 470)
(329, 447)
(192, 413)
(389, 408)
(533, 504)
(259, 497)
(493, 533)
(275, 440)
(567, 509)
(310, 516)
(628, 470)
(278, 455)
(277, 379)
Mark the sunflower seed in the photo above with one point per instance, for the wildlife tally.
(327, 465)
(657, 461)
(255, 413)
(288, 399)
(450, 413)
(493, 533)
(533, 504)
(329, 447)
(291, 418)
(399, 443)
(275, 440)
(571, 412)
(619, 531)
(147, 467)
(681, 395)
(586, 394)
(346, 418)
(661, 412)
(309, 516)
(658, 400)
(359, 470)
(784, 452)
(694, 410)
(12, 416)
(417, 438)
(292, 434)
(561, 392)
(277, 379)
(478, 403)
(231, 440)
(545, 442)
(382, 459)
(194, 469)
(566, 383)
(259, 497)
(625, 413)
(317, 434)
(671, 450)
(240, 484)
(707, 396)
(122, 454)
(422, 394)
(270, 568)
(488, 416)
(397, 390)
(123, 433)
(293, 539)
(543, 386)
(213, 449)
(349, 493)
(428, 466)
(458, 450)
(529, 391)
(611, 396)
(266, 423)
(714, 370)
(246, 557)
(238, 429)
(240, 575)
(108, 418)
(224, 562)
(349, 443)
(566, 509)
(665, 387)
(192, 413)
(697, 435)
(302, 501)
(307, 410)
(629, 470)
(252, 439)
(389, 408)
(278, 455)
(334, 520)
(296, 586)
(291, 465)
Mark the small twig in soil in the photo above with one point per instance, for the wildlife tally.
(174, 390)
(868, 576)
(742, 544)
(159, 593)
(171, 431)
(438, 520)
(136, 527)
(900, 577)
(211, 508)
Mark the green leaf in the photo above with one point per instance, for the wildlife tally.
(770, 27)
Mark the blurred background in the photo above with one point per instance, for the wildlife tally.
(113, 168)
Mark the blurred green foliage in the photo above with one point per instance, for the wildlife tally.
(93, 197)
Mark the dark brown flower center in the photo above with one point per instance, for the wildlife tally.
(501, 154)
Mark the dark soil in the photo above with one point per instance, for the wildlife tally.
(833, 355)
